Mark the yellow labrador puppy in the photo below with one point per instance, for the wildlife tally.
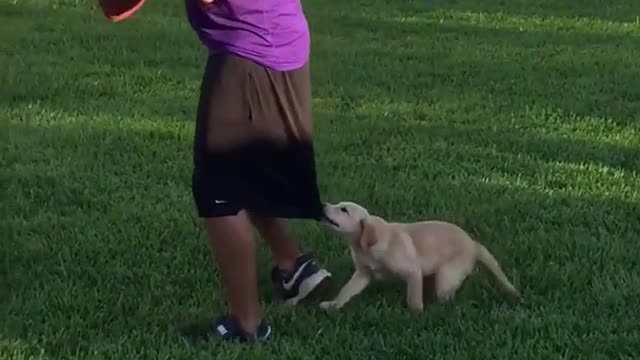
(411, 251)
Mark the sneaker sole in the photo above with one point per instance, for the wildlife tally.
(209, 331)
(314, 282)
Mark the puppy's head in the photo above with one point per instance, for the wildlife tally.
(345, 218)
(354, 223)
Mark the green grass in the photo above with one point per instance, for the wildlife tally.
(519, 120)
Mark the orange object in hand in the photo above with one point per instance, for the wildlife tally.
(118, 10)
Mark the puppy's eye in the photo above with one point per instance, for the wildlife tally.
(344, 210)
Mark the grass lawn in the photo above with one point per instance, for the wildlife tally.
(519, 120)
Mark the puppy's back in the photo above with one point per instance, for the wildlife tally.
(439, 239)
(435, 230)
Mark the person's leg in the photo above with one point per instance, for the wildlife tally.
(233, 247)
(295, 275)
(287, 169)
(218, 183)
(231, 238)
(283, 245)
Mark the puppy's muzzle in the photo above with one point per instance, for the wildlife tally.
(326, 218)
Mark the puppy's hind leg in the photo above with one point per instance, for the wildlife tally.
(448, 280)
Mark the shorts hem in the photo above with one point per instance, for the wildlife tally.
(282, 213)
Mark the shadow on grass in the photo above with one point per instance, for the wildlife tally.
(109, 260)
(502, 69)
(155, 72)
(150, 66)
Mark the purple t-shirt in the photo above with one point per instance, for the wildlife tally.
(273, 33)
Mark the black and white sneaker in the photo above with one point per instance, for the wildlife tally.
(226, 328)
(306, 279)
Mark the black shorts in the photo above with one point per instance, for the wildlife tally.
(253, 147)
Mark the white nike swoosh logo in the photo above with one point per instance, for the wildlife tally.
(289, 284)
(222, 330)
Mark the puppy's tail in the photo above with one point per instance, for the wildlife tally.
(485, 257)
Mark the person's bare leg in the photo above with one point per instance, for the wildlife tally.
(281, 241)
(233, 247)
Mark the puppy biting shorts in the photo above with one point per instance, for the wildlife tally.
(409, 252)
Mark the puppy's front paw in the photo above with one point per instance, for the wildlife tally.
(329, 305)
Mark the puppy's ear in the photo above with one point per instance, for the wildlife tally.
(368, 234)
